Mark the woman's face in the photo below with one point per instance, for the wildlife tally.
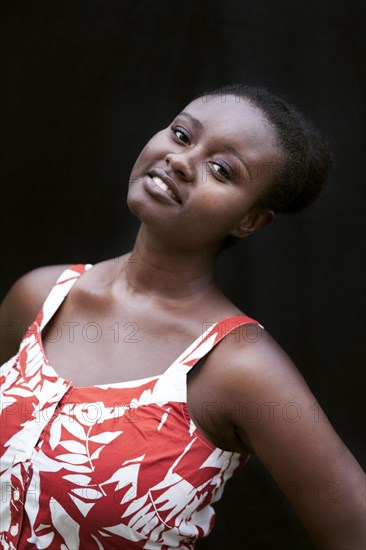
(196, 181)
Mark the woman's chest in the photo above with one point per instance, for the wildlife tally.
(94, 350)
(99, 350)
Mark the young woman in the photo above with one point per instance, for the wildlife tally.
(132, 389)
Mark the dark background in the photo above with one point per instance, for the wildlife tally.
(85, 83)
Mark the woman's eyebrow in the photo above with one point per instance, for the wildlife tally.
(196, 123)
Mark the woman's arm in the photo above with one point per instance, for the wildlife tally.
(21, 305)
(290, 434)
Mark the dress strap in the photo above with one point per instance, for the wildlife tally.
(172, 385)
(59, 292)
(202, 346)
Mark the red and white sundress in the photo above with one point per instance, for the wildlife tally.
(107, 466)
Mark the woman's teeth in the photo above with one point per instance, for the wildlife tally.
(160, 183)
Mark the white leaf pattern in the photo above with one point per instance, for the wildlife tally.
(84, 507)
(105, 437)
(22, 392)
(96, 453)
(73, 446)
(65, 524)
(75, 467)
(100, 545)
(72, 426)
(78, 479)
(44, 541)
(55, 432)
(73, 458)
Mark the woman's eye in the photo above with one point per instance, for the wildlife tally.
(180, 135)
(220, 170)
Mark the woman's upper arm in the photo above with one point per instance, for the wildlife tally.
(292, 437)
(22, 304)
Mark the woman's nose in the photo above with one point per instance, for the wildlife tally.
(181, 163)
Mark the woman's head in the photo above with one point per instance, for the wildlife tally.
(306, 158)
(237, 156)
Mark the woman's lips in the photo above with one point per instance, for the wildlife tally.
(164, 187)
(164, 180)
(159, 189)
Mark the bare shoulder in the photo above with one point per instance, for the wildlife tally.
(262, 379)
(22, 303)
(252, 351)
(247, 353)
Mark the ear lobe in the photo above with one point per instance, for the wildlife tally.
(253, 220)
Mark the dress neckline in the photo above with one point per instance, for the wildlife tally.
(219, 325)
(139, 381)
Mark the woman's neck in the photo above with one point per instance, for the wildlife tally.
(157, 269)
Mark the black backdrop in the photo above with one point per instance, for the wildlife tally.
(86, 82)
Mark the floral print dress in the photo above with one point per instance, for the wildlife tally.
(108, 466)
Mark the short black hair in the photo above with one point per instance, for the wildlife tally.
(307, 158)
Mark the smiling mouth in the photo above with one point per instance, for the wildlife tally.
(160, 183)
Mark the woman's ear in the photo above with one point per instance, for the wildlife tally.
(252, 221)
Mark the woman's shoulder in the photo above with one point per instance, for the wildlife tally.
(22, 304)
(252, 360)
(250, 348)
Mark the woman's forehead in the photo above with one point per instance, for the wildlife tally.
(232, 118)
(229, 114)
